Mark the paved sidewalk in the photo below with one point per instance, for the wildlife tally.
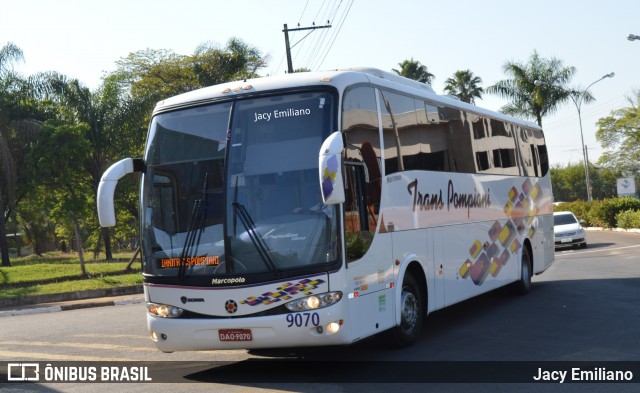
(9, 311)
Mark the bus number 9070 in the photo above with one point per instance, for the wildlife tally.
(303, 319)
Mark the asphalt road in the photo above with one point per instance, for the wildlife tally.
(583, 308)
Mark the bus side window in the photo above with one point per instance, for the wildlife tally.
(539, 151)
(505, 154)
(400, 132)
(460, 156)
(433, 140)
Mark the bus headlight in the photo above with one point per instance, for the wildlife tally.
(314, 302)
(164, 310)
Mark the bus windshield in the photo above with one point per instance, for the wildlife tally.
(232, 188)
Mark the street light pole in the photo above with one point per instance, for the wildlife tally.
(578, 99)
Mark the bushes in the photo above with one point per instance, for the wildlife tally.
(609, 213)
(580, 209)
(628, 219)
(606, 214)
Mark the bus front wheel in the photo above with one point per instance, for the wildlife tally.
(411, 314)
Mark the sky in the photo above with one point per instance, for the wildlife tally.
(84, 39)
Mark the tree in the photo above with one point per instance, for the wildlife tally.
(124, 104)
(111, 122)
(9, 54)
(18, 123)
(150, 75)
(56, 162)
(24, 105)
(236, 61)
(465, 86)
(99, 127)
(604, 181)
(413, 69)
(569, 185)
(36, 224)
(619, 133)
(153, 75)
(536, 88)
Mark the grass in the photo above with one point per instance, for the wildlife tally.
(59, 273)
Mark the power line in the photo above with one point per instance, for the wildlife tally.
(316, 52)
(295, 33)
(303, 10)
(319, 9)
(336, 34)
(591, 110)
(312, 48)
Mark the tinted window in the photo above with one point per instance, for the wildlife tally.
(460, 155)
(564, 219)
(399, 131)
(418, 135)
(363, 173)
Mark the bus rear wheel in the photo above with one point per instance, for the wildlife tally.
(523, 286)
(411, 315)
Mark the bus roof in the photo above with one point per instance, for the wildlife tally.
(340, 79)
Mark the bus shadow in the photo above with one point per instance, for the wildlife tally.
(564, 320)
(557, 320)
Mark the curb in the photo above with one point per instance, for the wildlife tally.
(632, 230)
(39, 304)
(68, 296)
(71, 306)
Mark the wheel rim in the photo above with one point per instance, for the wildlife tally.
(409, 314)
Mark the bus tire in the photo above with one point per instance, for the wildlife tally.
(411, 315)
(523, 285)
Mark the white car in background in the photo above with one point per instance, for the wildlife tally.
(568, 230)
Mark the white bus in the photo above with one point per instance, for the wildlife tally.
(323, 208)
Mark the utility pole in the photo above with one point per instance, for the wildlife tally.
(286, 41)
(586, 168)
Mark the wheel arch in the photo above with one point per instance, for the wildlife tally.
(411, 266)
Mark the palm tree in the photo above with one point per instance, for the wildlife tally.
(237, 60)
(105, 112)
(413, 69)
(21, 117)
(10, 83)
(536, 88)
(465, 86)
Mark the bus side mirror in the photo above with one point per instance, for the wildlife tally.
(107, 186)
(330, 166)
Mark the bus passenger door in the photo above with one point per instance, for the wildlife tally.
(369, 255)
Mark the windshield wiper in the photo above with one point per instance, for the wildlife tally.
(263, 250)
(195, 229)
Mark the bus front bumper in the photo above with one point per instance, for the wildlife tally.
(320, 327)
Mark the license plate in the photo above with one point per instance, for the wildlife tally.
(568, 240)
(235, 335)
